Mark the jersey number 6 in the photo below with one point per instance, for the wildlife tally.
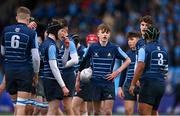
(15, 41)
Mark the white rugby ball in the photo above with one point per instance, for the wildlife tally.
(86, 74)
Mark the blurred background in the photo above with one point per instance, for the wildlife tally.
(84, 16)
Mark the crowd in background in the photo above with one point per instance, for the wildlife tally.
(122, 15)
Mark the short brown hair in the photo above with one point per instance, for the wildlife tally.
(147, 19)
(62, 22)
(133, 34)
(104, 27)
(23, 12)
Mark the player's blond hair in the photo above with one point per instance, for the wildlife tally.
(23, 12)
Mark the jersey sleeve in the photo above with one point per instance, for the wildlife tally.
(86, 58)
(141, 55)
(35, 41)
(72, 48)
(52, 52)
(121, 54)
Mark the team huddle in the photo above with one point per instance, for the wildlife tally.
(42, 71)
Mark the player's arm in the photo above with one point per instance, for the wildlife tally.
(55, 69)
(35, 55)
(53, 65)
(139, 69)
(35, 58)
(120, 55)
(73, 54)
(121, 82)
(86, 59)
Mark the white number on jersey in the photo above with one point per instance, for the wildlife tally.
(160, 61)
(15, 41)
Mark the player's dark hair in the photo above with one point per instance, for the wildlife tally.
(55, 26)
(133, 34)
(152, 33)
(147, 19)
(61, 21)
(76, 39)
(104, 27)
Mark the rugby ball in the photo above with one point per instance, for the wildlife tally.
(86, 75)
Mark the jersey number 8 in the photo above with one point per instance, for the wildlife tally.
(160, 61)
(15, 41)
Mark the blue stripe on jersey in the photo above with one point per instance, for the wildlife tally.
(156, 59)
(18, 40)
(102, 60)
(122, 53)
(49, 51)
(141, 55)
(16, 47)
(129, 71)
(52, 52)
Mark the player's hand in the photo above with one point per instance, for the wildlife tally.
(65, 91)
(138, 83)
(131, 90)
(66, 42)
(32, 25)
(112, 76)
(35, 79)
(120, 92)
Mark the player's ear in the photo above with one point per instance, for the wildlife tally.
(16, 18)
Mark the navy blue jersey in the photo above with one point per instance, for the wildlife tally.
(140, 44)
(81, 50)
(102, 59)
(49, 51)
(18, 40)
(128, 73)
(72, 50)
(155, 58)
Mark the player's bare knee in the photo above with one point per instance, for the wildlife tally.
(140, 111)
(129, 111)
(67, 108)
(75, 108)
(97, 111)
(108, 112)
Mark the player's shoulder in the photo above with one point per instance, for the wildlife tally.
(8, 27)
(113, 45)
(130, 51)
(94, 45)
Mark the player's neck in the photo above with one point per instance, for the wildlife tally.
(22, 21)
(103, 43)
(52, 36)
